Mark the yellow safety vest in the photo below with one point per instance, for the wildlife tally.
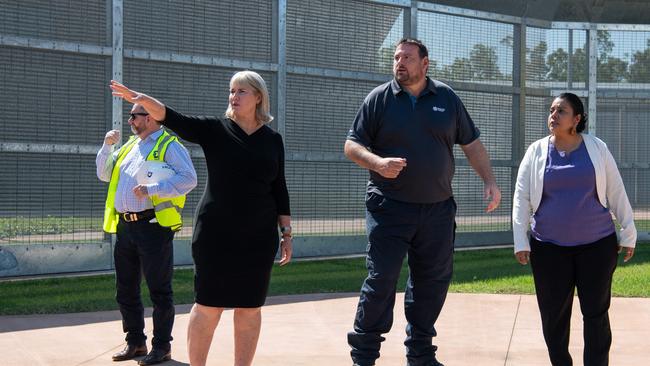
(168, 210)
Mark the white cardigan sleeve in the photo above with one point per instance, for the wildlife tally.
(618, 202)
(521, 205)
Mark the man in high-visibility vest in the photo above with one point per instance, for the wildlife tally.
(145, 218)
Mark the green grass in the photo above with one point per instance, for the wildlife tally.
(17, 226)
(11, 227)
(480, 271)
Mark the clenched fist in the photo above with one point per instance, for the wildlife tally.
(112, 137)
(390, 167)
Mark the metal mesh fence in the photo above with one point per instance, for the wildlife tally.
(623, 125)
(492, 114)
(320, 112)
(556, 58)
(623, 59)
(327, 197)
(49, 198)
(228, 29)
(342, 34)
(53, 98)
(80, 21)
(320, 59)
(468, 193)
(536, 118)
(466, 49)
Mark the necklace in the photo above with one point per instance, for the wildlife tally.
(565, 147)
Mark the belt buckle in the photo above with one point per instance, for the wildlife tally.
(129, 217)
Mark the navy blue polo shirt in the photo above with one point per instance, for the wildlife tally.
(423, 130)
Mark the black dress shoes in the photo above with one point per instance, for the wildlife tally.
(433, 362)
(129, 352)
(155, 356)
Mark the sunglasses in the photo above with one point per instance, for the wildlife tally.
(134, 115)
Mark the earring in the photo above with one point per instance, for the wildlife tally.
(574, 131)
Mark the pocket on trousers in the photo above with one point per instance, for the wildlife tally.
(374, 202)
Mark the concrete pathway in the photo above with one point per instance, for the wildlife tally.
(474, 329)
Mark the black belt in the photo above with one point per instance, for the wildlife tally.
(137, 216)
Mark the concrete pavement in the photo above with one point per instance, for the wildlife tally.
(474, 329)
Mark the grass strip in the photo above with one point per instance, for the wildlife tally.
(478, 271)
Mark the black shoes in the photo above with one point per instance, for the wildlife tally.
(129, 352)
(156, 356)
(433, 362)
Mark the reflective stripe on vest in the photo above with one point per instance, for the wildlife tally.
(167, 204)
(167, 210)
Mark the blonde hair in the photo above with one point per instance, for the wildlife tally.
(255, 81)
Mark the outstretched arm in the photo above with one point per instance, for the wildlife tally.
(153, 106)
(480, 161)
(189, 128)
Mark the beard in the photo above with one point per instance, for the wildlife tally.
(402, 76)
(406, 78)
(135, 130)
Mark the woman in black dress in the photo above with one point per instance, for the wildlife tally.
(245, 200)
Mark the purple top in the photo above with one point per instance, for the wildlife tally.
(570, 213)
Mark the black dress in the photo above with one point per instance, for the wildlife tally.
(235, 234)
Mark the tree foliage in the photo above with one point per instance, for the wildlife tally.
(609, 68)
(640, 65)
(536, 67)
(482, 63)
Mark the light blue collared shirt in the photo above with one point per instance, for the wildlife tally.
(176, 156)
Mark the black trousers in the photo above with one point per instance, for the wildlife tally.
(558, 271)
(144, 248)
(426, 233)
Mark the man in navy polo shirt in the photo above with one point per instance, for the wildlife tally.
(404, 135)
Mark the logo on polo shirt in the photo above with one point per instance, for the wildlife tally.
(438, 109)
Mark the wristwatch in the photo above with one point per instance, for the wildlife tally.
(285, 229)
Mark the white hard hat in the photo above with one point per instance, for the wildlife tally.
(153, 172)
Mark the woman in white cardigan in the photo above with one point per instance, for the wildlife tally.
(566, 187)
